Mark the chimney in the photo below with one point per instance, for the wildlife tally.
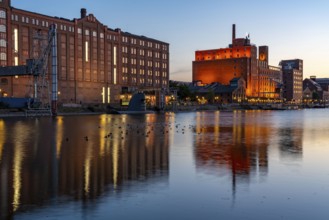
(233, 33)
(83, 12)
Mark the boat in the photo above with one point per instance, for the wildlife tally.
(137, 105)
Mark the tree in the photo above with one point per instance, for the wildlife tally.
(315, 96)
(184, 92)
(210, 96)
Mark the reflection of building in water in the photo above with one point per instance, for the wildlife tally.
(290, 142)
(86, 159)
(231, 142)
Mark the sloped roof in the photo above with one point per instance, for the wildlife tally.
(315, 84)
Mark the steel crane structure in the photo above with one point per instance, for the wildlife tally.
(44, 46)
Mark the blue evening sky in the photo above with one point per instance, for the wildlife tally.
(291, 28)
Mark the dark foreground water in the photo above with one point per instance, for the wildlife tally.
(200, 165)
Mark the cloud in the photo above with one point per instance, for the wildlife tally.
(181, 74)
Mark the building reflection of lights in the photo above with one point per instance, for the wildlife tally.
(17, 176)
(2, 137)
(22, 133)
(59, 136)
(87, 167)
(102, 134)
(198, 121)
(115, 159)
(217, 126)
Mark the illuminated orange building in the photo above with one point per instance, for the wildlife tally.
(238, 60)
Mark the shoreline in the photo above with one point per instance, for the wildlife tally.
(7, 113)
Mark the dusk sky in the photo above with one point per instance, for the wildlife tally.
(291, 28)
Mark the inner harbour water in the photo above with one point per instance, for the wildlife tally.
(195, 165)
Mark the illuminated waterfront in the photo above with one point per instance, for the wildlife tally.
(198, 165)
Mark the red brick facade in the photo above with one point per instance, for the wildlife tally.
(94, 61)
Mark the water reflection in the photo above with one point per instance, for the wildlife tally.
(290, 141)
(2, 136)
(240, 142)
(77, 158)
(223, 165)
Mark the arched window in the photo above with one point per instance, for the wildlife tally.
(3, 43)
(3, 56)
(2, 28)
(2, 14)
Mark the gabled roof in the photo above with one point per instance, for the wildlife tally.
(315, 84)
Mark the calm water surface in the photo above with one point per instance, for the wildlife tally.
(200, 165)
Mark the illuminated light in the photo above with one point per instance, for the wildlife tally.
(108, 95)
(16, 40)
(103, 95)
(114, 75)
(115, 55)
(59, 92)
(16, 77)
(16, 61)
(87, 51)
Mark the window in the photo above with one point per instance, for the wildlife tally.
(3, 56)
(3, 28)
(2, 14)
(3, 43)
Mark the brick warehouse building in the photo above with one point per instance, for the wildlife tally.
(95, 63)
(239, 60)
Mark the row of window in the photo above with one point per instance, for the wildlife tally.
(28, 20)
(142, 72)
(142, 43)
(133, 61)
(142, 81)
